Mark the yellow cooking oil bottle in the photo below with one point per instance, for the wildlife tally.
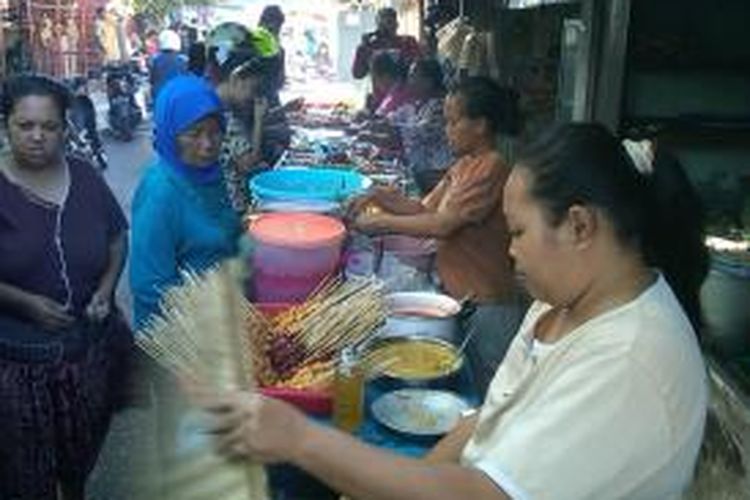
(348, 400)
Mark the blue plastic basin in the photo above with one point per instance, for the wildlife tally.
(308, 184)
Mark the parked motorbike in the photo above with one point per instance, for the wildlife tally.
(124, 112)
(79, 144)
(83, 135)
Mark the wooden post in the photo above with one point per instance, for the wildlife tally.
(3, 10)
(610, 68)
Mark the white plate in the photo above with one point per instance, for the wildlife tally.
(421, 412)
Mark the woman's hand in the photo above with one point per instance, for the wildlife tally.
(357, 205)
(389, 198)
(47, 313)
(234, 92)
(248, 161)
(370, 223)
(380, 202)
(249, 425)
(99, 306)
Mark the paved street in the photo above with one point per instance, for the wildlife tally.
(126, 455)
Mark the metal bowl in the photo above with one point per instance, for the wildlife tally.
(390, 378)
(404, 319)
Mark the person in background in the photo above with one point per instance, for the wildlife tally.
(272, 19)
(64, 347)
(182, 216)
(167, 63)
(100, 35)
(404, 49)
(213, 67)
(421, 125)
(182, 219)
(323, 62)
(311, 43)
(17, 59)
(134, 41)
(240, 91)
(389, 81)
(189, 34)
(197, 59)
(464, 214)
(603, 393)
(151, 43)
(259, 53)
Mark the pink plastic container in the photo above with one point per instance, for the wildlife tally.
(294, 252)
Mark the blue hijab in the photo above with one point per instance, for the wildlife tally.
(183, 101)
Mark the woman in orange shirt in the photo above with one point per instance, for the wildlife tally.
(464, 214)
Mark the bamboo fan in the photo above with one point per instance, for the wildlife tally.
(203, 331)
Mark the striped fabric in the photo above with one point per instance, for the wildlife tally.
(57, 403)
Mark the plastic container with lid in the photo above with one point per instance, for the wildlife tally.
(298, 183)
(293, 253)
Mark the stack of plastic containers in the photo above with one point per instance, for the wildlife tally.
(293, 253)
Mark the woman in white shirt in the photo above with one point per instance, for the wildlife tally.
(602, 393)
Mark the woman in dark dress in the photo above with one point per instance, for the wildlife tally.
(62, 249)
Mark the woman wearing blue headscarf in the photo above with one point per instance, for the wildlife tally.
(182, 216)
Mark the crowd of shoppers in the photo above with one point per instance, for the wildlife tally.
(598, 242)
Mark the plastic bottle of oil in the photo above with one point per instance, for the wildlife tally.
(348, 399)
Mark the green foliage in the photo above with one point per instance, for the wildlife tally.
(157, 10)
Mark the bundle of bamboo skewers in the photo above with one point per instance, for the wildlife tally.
(208, 330)
(302, 342)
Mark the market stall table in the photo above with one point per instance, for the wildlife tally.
(288, 482)
(320, 140)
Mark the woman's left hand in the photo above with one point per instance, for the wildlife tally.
(99, 306)
(249, 425)
(369, 223)
(248, 161)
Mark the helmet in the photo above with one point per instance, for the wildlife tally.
(169, 40)
(264, 42)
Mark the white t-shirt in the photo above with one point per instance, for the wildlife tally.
(615, 409)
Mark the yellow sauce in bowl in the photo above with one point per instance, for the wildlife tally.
(414, 359)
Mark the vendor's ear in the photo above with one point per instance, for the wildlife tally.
(580, 225)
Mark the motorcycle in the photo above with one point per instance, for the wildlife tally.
(124, 112)
(79, 144)
(83, 137)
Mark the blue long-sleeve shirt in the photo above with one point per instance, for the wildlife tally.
(164, 66)
(177, 225)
